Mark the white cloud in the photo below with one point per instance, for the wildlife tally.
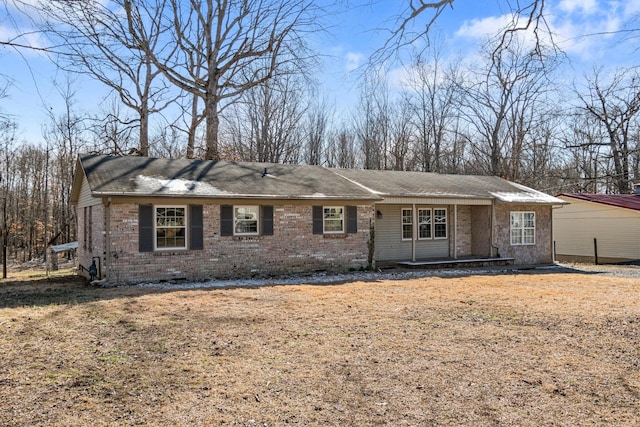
(587, 7)
(631, 8)
(482, 28)
(353, 60)
(584, 28)
(29, 37)
(401, 78)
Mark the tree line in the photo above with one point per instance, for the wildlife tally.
(232, 80)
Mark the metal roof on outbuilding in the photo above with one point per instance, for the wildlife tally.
(626, 201)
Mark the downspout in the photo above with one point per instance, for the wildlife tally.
(107, 238)
(455, 231)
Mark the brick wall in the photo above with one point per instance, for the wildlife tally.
(541, 252)
(291, 249)
(463, 235)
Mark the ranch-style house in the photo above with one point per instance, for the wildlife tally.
(148, 219)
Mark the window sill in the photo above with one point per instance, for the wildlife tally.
(170, 252)
(252, 237)
(334, 236)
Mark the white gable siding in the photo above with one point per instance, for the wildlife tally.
(86, 199)
(617, 231)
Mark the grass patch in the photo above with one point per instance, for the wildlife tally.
(552, 349)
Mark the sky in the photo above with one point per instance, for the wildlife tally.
(589, 32)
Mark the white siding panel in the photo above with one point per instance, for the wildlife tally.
(432, 248)
(86, 199)
(617, 230)
(389, 245)
(388, 239)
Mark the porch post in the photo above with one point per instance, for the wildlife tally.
(414, 230)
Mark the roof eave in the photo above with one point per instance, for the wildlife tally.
(103, 194)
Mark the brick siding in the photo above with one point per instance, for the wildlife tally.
(291, 249)
(464, 232)
(541, 252)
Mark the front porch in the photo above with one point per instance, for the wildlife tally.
(454, 263)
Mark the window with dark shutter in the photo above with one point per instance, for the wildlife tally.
(195, 227)
(145, 228)
(352, 219)
(226, 220)
(317, 220)
(267, 220)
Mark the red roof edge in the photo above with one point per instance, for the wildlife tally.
(626, 201)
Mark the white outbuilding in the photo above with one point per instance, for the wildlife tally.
(600, 228)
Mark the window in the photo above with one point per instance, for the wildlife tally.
(523, 228)
(171, 227)
(165, 227)
(407, 224)
(432, 223)
(440, 223)
(245, 220)
(333, 219)
(424, 223)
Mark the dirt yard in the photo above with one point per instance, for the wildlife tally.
(481, 350)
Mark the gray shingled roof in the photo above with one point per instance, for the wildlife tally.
(144, 176)
(433, 185)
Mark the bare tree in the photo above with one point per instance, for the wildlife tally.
(585, 153)
(433, 97)
(373, 121)
(94, 39)
(341, 150)
(401, 137)
(502, 103)
(615, 105)
(418, 16)
(225, 38)
(65, 136)
(317, 123)
(268, 123)
(113, 131)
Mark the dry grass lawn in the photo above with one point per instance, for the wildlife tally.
(515, 349)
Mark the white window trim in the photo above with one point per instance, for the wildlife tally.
(155, 227)
(522, 229)
(257, 232)
(446, 223)
(344, 212)
(430, 224)
(402, 224)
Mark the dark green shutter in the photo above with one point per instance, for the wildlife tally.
(318, 227)
(267, 220)
(226, 220)
(352, 219)
(195, 227)
(145, 228)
